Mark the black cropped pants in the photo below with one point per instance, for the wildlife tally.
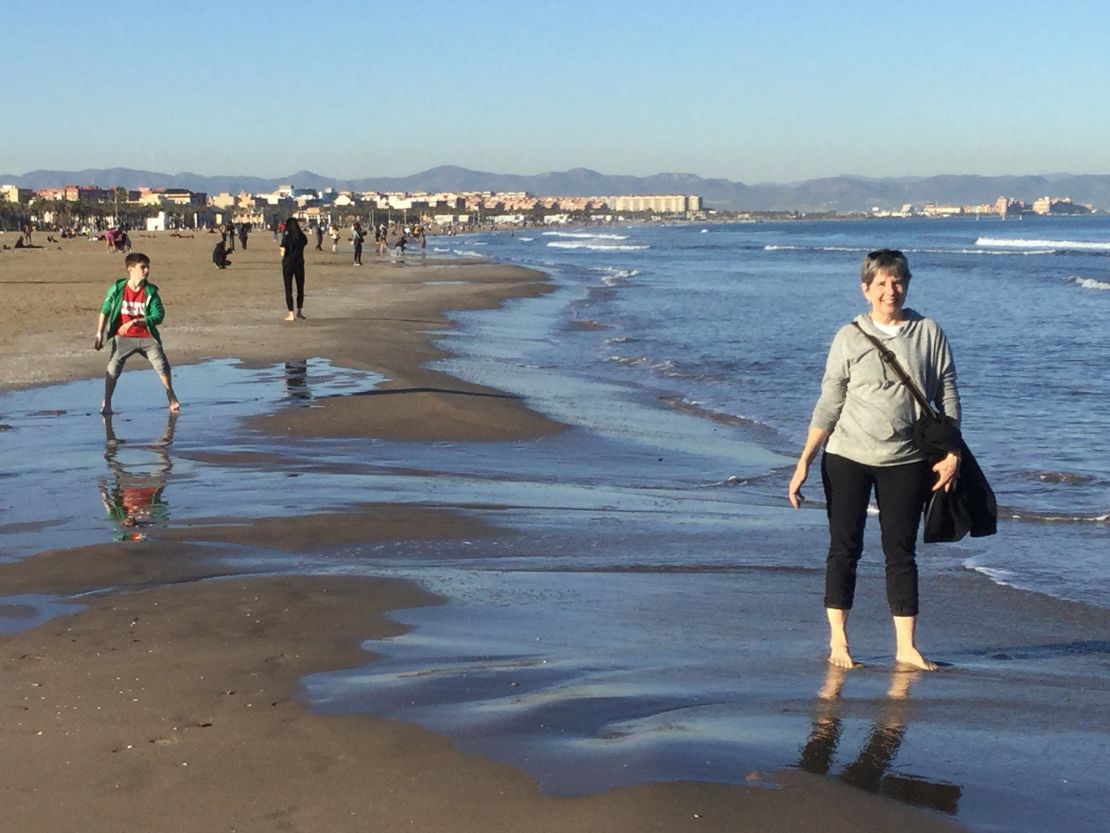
(291, 271)
(900, 492)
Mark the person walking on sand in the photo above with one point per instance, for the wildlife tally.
(319, 232)
(129, 316)
(244, 230)
(357, 238)
(335, 238)
(864, 421)
(293, 243)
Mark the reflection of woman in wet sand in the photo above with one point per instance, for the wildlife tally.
(135, 498)
(870, 770)
(296, 379)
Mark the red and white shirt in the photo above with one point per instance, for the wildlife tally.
(134, 306)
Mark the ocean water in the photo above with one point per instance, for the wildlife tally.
(731, 324)
(650, 609)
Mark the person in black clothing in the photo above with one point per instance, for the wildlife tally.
(243, 232)
(319, 229)
(293, 243)
(219, 255)
(356, 238)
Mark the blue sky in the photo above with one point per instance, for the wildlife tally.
(748, 91)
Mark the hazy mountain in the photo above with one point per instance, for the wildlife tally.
(839, 193)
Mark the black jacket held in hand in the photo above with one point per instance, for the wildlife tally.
(969, 508)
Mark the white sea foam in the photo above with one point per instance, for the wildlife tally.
(596, 247)
(526, 239)
(585, 235)
(664, 366)
(1091, 283)
(776, 247)
(467, 253)
(1007, 578)
(613, 276)
(1051, 245)
(1007, 252)
(773, 247)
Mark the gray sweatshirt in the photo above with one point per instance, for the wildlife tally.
(865, 408)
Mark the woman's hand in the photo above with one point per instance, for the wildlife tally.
(815, 439)
(794, 492)
(947, 470)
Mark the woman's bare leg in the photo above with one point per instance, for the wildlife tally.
(839, 655)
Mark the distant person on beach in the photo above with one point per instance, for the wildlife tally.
(219, 255)
(356, 238)
(381, 236)
(402, 241)
(293, 243)
(129, 316)
(335, 238)
(864, 422)
(319, 231)
(244, 230)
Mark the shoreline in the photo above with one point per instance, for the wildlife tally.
(172, 617)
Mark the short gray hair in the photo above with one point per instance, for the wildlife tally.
(887, 261)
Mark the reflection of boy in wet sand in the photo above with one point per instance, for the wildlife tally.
(130, 316)
(135, 499)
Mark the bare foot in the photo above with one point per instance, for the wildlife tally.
(300, 314)
(840, 656)
(175, 407)
(105, 408)
(911, 658)
(290, 317)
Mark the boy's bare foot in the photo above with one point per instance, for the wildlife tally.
(289, 316)
(105, 408)
(911, 658)
(175, 407)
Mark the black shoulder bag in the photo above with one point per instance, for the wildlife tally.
(970, 507)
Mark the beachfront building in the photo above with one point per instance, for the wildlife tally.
(656, 203)
(934, 210)
(1058, 205)
(223, 200)
(1009, 207)
(13, 193)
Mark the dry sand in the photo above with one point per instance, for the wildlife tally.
(169, 702)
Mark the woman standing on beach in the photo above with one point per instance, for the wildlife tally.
(293, 242)
(864, 421)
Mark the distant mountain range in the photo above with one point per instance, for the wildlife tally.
(839, 193)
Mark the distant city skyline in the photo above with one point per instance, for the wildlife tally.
(743, 91)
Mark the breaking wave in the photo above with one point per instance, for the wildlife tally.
(585, 235)
(1051, 245)
(597, 247)
(1091, 283)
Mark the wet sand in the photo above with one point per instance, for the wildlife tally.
(166, 698)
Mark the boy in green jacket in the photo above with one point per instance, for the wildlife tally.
(130, 316)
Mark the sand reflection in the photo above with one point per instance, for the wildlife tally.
(133, 493)
(870, 769)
